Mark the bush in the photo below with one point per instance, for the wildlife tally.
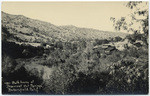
(114, 57)
(60, 81)
(116, 39)
(128, 77)
(100, 42)
(8, 65)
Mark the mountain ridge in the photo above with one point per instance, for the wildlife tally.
(24, 29)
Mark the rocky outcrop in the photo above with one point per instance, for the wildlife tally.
(122, 44)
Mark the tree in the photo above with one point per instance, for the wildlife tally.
(116, 39)
(136, 21)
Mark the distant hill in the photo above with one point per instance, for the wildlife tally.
(90, 33)
(23, 29)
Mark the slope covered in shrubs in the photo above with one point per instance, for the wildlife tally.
(23, 29)
(64, 63)
(85, 67)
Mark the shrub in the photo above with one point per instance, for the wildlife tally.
(60, 81)
(116, 39)
(8, 65)
(114, 57)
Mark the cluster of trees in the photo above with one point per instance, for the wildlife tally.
(16, 51)
(86, 72)
(82, 70)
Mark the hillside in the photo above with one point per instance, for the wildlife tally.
(23, 29)
(36, 51)
(90, 33)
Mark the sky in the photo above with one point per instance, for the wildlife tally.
(81, 14)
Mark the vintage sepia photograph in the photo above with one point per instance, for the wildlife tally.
(75, 47)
